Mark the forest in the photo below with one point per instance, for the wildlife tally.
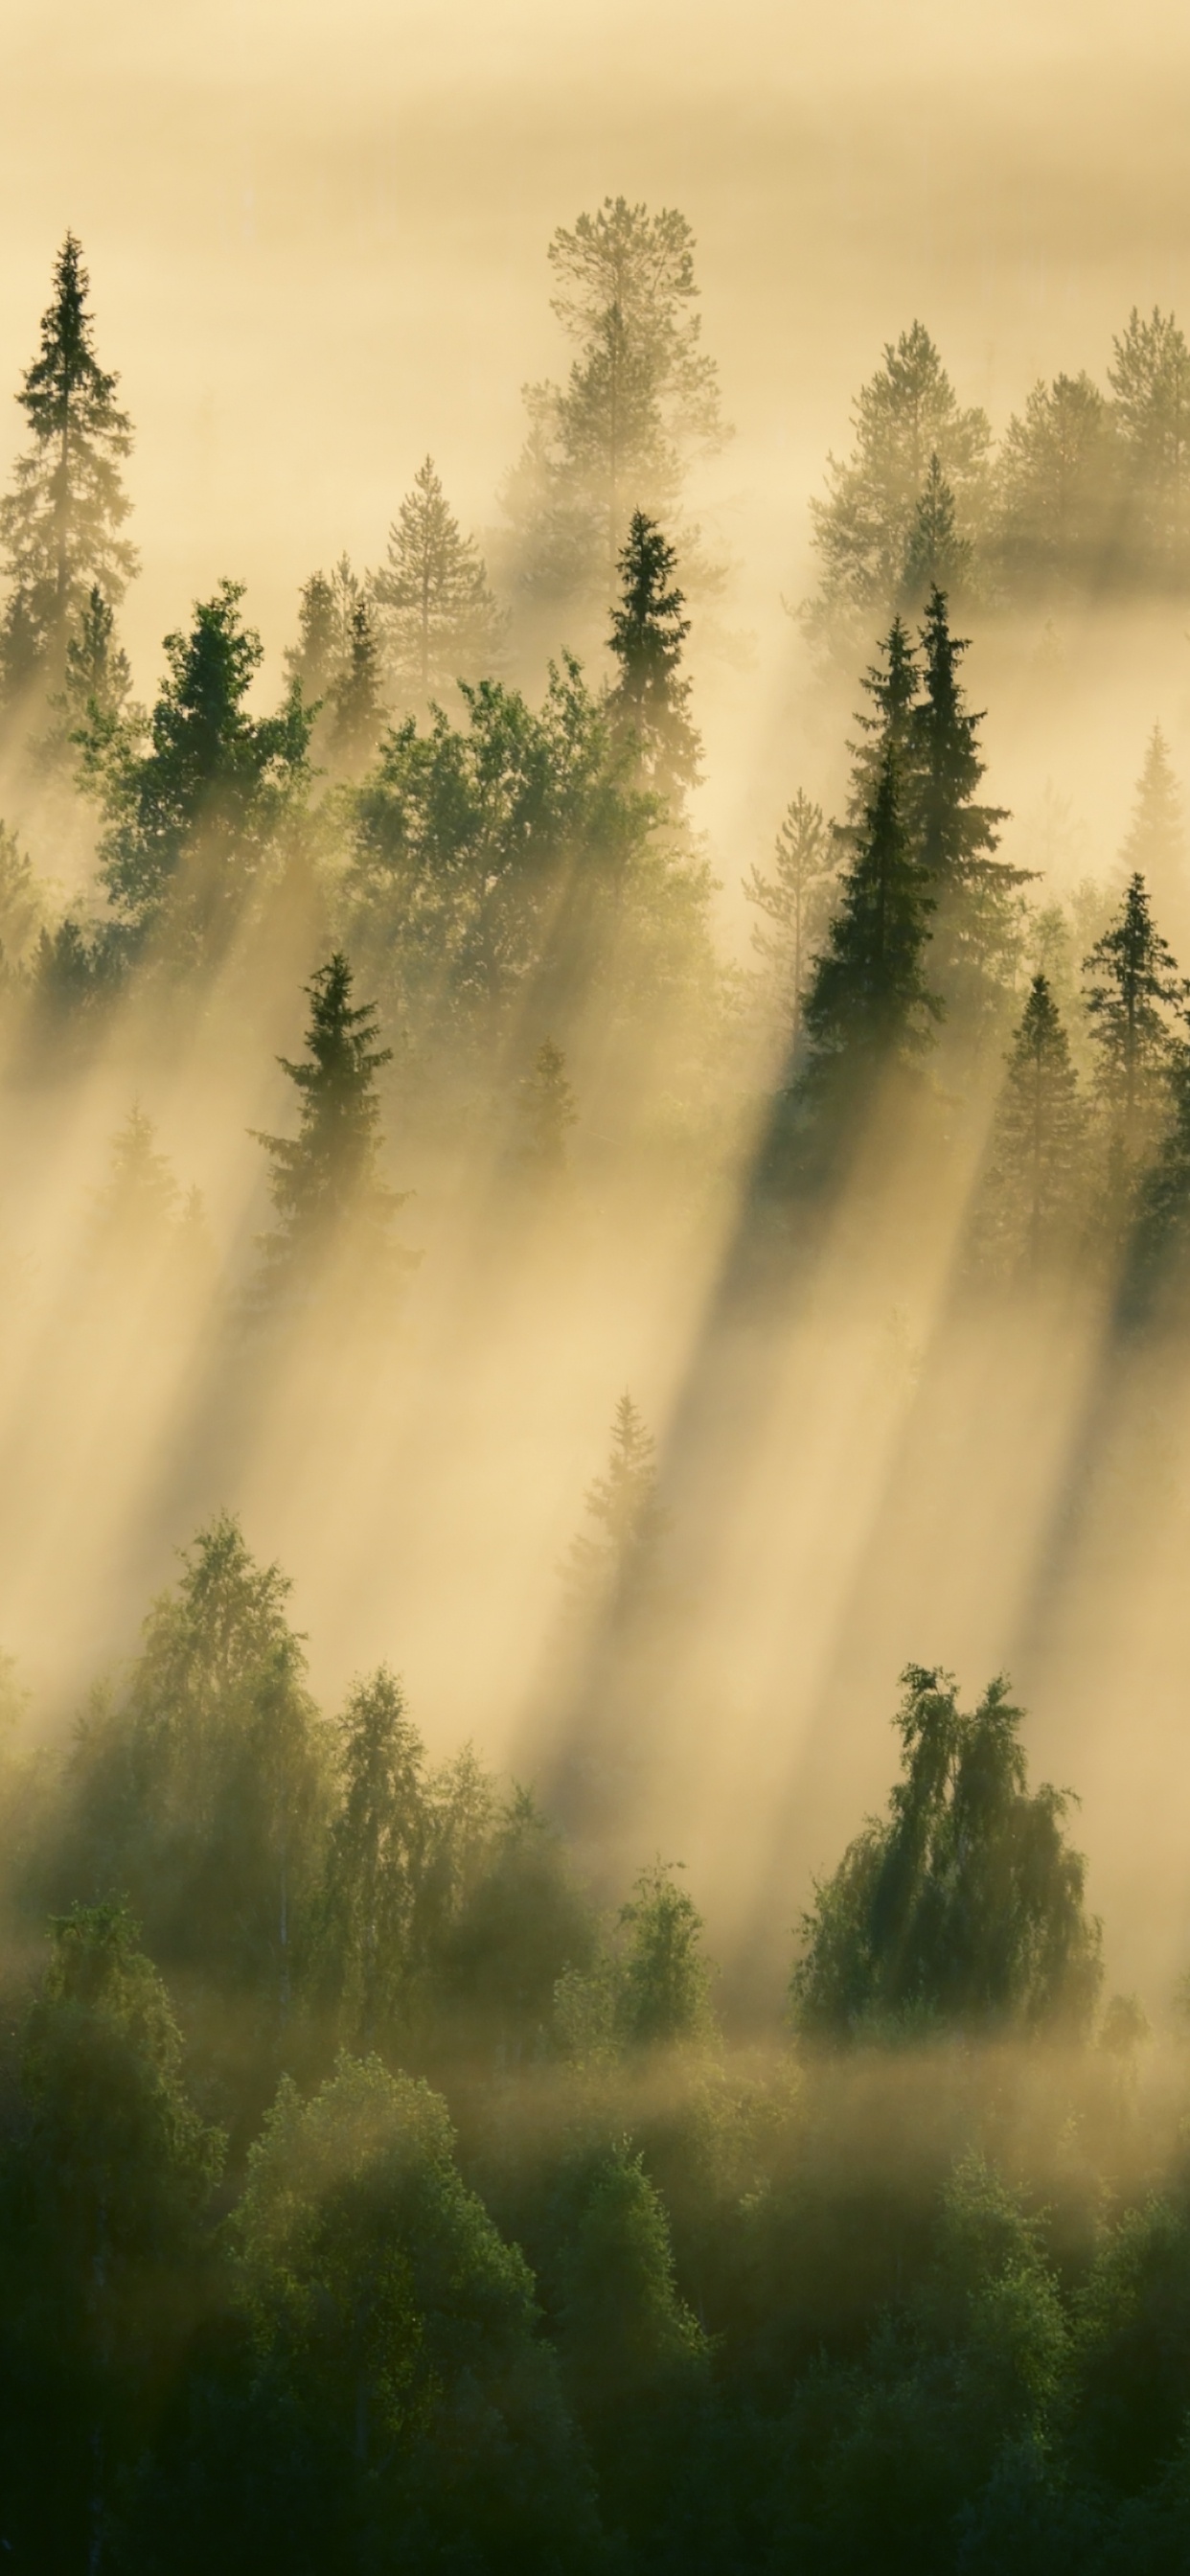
(536, 2035)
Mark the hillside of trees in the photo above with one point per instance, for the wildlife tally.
(403, 2162)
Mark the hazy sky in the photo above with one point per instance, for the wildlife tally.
(317, 234)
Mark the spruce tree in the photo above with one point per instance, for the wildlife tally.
(977, 928)
(548, 1111)
(1038, 1152)
(86, 712)
(192, 813)
(60, 523)
(796, 902)
(1133, 994)
(648, 701)
(356, 707)
(330, 1200)
(891, 687)
(326, 605)
(869, 1007)
(439, 619)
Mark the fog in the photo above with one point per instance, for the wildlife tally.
(317, 248)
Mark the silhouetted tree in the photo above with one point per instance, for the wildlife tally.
(869, 1007)
(357, 711)
(1132, 989)
(330, 1199)
(193, 813)
(1155, 847)
(377, 1855)
(976, 929)
(439, 619)
(936, 556)
(59, 525)
(966, 1906)
(630, 1520)
(648, 702)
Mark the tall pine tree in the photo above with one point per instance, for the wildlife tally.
(1135, 997)
(796, 903)
(60, 523)
(440, 621)
(1155, 847)
(977, 929)
(870, 1007)
(649, 702)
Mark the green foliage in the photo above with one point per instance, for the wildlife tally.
(664, 1984)
(648, 703)
(1150, 379)
(965, 1907)
(976, 930)
(1057, 489)
(59, 525)
(193, 811)
(520, 1926)
(332, 1205)
(869, 1008)
(1132, 990)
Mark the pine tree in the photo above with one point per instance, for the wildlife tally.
(905, 416)
(192, 815)
(325, 610)
(648, 702)
(1156, 844)
(548, 1110)
(439, 619)
(796, 900)
(891, 687)
(936, 556)
(59, 526)
(869, 1007)
(326, 1186)
(641, 401)
(1056, 488)
(1038, 1154)
(1132, 990)
(631, 1522)
(977, 929)
(356, 708)
(1150, 380)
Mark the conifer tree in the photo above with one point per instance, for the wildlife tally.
(60, 523)
(891, 687)
(977, 928)
(86, 711)
(356, 708)
(664, 1984)
(1038, 1145)
(548, 1111)
(326, 605)
(936, 556)
(630, 1521)
(139, 1200)
(192, 813)
(325, 1182)
(648, 702)
(439, 619)
(642, 399)
(869, 1006)
(796, 902)
(906, 416)
(1155, 847)
(1133, 990)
